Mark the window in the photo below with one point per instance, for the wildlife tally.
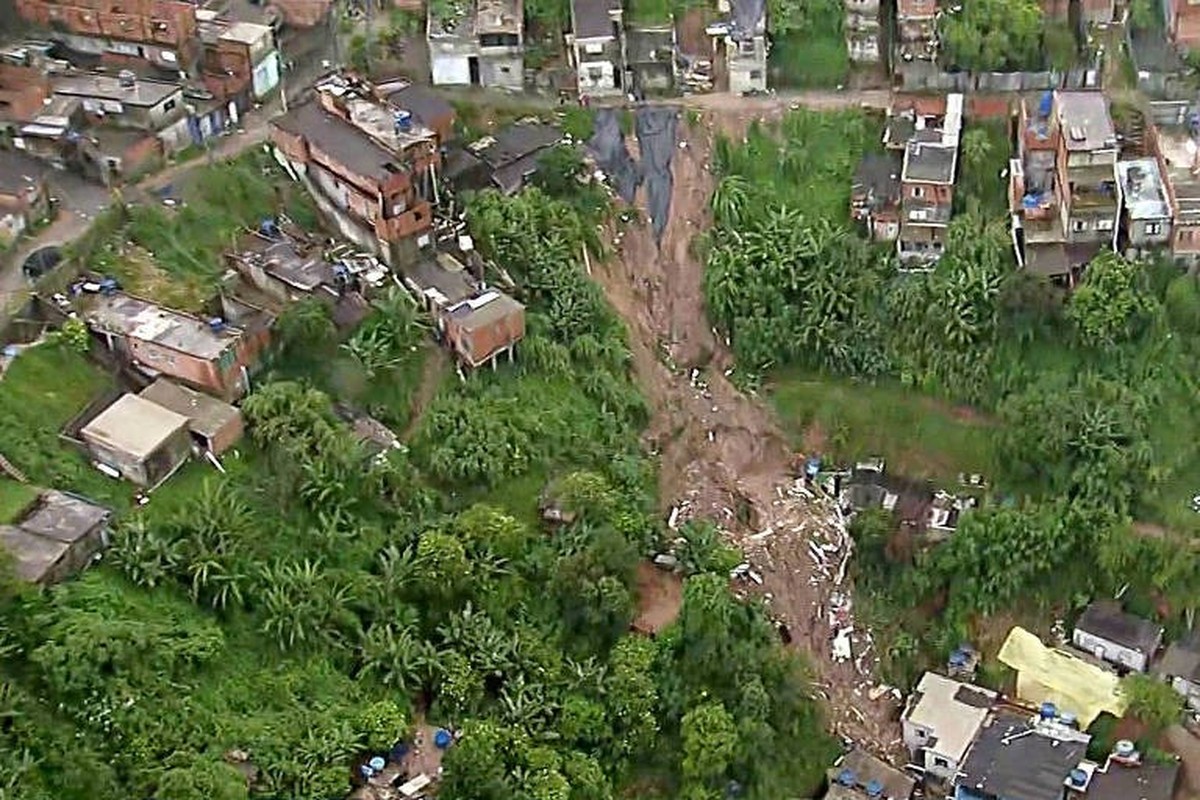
(918, 192)
(1104, 224)
(1153, 228)
(595, 74)
(169, 105)
(593, 48)
(1079, 225)
(746, 48)
(938, 761)
(756, 74)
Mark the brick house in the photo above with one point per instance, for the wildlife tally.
(927, 176)
(372, 165)
(239, 61)
(482, 328)
(1183, 22)
(209, 355)
(162, 32)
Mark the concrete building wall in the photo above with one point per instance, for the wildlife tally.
(1111, 652)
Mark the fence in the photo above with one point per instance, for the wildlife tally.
(925, 76)
(1170, 113)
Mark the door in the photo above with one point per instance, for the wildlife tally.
(473, 70)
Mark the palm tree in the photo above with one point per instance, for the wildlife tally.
(976, 148)
(398, 656)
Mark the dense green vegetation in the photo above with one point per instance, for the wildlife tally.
(309, 607)
(1006, 35)
(808, 49)
(1080, 411)
(175, 254)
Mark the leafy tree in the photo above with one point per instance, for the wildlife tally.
(993, 35)
(976, 147)
(709, 741)
(1182, 304)
(1111, 305)
(1152, 701)
(203, 779)
(1144, 14)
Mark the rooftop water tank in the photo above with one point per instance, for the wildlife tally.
(1046, 104)
(1077, 778)
(377, 763)
(874, 789)
(846, 777)
(1124, 748)
(216, 324)
(1068, 719)
(1048, 711)
(402, 120)
(442, 739)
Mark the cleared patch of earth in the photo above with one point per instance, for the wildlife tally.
(660, 597)
(723, 456)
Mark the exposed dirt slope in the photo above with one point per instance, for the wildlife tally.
(723, 456)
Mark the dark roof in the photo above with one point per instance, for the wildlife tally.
(592, 19)
(63, 517)
(1106, 620)
(877, 179)
(517, 141)
(749, 19)
(1009, 759)
(1182, 659)
(865, 769)
(338, 138)
(427, 106)
(650, 46)
(18, 171)
(929, 162)
(1144, 782)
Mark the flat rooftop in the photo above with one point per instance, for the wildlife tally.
(1011, 759)
(499, 16)
(206, 415)
(1106, 619)
(144, 93)
(282, 260)
(246, 33)
(929, 162)
(1179, 151)
(134, 425)
(593, 19)
(1084, 120)
(1141, 186)
(953, 711)
(479, 312)
(139, 319)
(19, 172)
(443, 279)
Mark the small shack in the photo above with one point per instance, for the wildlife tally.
(214, 424)
(138, 440)
(482, 328)
(55, 537)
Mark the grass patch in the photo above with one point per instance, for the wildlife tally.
(44, 388)
(175, 256)
(919, 437)
(985, 154)
(808, 61)
(14, 499)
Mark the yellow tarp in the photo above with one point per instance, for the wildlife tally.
(1046, 674)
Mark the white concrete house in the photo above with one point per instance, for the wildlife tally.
(941, 720)
(1107, 632)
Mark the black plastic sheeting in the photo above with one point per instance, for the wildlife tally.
(608, 147)
(656, 140)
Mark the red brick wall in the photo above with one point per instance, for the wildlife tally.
(929, 192)
(23, 91)
(303, 13)
(293, 146)
(168, 22)
(1186, 30)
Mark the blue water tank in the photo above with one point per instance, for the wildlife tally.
(377, 763)
(1078, 778)
(1048, 711)
(958, 658)
(442, 739)
(812, 466)
(216, 324)
(1046, 104)
(846, 777)
(402, 120)
(1068, 719)
(108, 286)
(269, 228)
(874, 789)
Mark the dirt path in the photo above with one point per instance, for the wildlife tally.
(432, 372)
(722, 454)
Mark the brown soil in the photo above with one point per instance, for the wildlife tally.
(432, 372)
(722, 454)
(423, 757)
(660, 597)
